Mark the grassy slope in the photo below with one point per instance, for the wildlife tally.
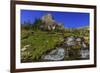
(41, 42)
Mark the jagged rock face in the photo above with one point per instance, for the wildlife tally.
(48, 19)
(49, 22)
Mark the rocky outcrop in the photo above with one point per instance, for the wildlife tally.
(73, 41)
(49, 23)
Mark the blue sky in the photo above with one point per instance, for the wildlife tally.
(69, 19)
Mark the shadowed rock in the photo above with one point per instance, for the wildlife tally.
(84, 53)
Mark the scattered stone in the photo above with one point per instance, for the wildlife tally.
(69, 41)
(25, 48)
(78, 39)
(84, 45)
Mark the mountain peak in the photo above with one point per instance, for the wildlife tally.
(47, 18)
(49, 22)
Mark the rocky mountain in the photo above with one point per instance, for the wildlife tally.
(48, 23)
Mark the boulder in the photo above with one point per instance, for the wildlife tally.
(84, 53)
(78, 39)
(55, 55)
(69, 41)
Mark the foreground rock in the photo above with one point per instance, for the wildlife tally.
(84, 53)
(55, 55)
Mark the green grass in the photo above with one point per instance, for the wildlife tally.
(42, 42)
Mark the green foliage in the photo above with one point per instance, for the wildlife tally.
(37, 23)
(41, 42)
(34, 26)
(76, 47)
(25, 26)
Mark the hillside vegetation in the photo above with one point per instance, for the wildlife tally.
(42, 36)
